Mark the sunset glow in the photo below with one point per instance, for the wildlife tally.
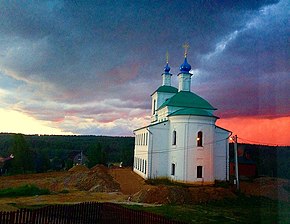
(85, 68)
(259, 131)
(16, 122)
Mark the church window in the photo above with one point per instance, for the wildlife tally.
(199, 139)
(154, 107)
(173, 169)
(174, 138)
(199, 172)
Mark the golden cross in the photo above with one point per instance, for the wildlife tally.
(185, 46)
(167, 57)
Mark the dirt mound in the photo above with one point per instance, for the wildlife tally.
(273, 188)
(98, 180)
(99, 168)
(79, 168)
(181, 195)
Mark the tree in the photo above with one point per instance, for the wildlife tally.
(42, 162)
(23, 156)
(96, 155)
(127, 157)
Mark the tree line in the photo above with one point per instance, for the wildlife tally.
(33, 153)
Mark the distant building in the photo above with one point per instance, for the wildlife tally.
(182, 142)
(247, 166)
(80, 159)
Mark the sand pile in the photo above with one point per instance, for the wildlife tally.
(79, 168)
(181, 195)
(97, 179)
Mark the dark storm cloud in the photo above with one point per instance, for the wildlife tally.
(71, 54)
(250, 66)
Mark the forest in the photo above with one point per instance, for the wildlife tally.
(34, 153)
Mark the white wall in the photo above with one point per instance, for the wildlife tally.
(186, 155)
(159, 153)
(141, 152)
(221, 154)
(159, 98)
(158, 156)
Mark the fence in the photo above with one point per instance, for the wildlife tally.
(89, 212)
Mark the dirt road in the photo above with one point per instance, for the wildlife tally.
(129, 181)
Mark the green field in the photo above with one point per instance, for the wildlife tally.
(240, 210)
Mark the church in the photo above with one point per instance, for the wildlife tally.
(182, 143)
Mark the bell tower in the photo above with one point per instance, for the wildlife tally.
(184, 77)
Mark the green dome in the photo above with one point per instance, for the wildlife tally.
(188, 100)
(193, 111)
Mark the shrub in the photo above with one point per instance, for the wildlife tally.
(24, 190)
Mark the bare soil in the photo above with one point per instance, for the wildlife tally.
(181, 195)
(130, 183)
(122, 185)
(273, 188)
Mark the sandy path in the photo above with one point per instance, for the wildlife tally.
(129, 181)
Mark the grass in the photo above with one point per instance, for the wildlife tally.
(240, 210)
(31, 207)
(24, 190)
(64, 191)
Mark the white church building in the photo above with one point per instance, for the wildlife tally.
(182, 142)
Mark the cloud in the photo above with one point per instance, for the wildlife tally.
(249, 67)
(91, 66)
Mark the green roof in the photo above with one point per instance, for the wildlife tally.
(193, 111)
(187, 99)
(166, 89)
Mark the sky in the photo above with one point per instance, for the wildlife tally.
(89, 67)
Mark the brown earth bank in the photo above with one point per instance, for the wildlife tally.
(273, 188)
(122, 185)
(181, 195)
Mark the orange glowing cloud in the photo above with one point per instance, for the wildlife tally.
(259, 130)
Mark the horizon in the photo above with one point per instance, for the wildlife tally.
(124, 136)
(89, 68)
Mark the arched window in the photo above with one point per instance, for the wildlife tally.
(199, 139)
(154, 107)
(174, 138)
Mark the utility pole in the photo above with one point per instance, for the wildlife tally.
(235, 138)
